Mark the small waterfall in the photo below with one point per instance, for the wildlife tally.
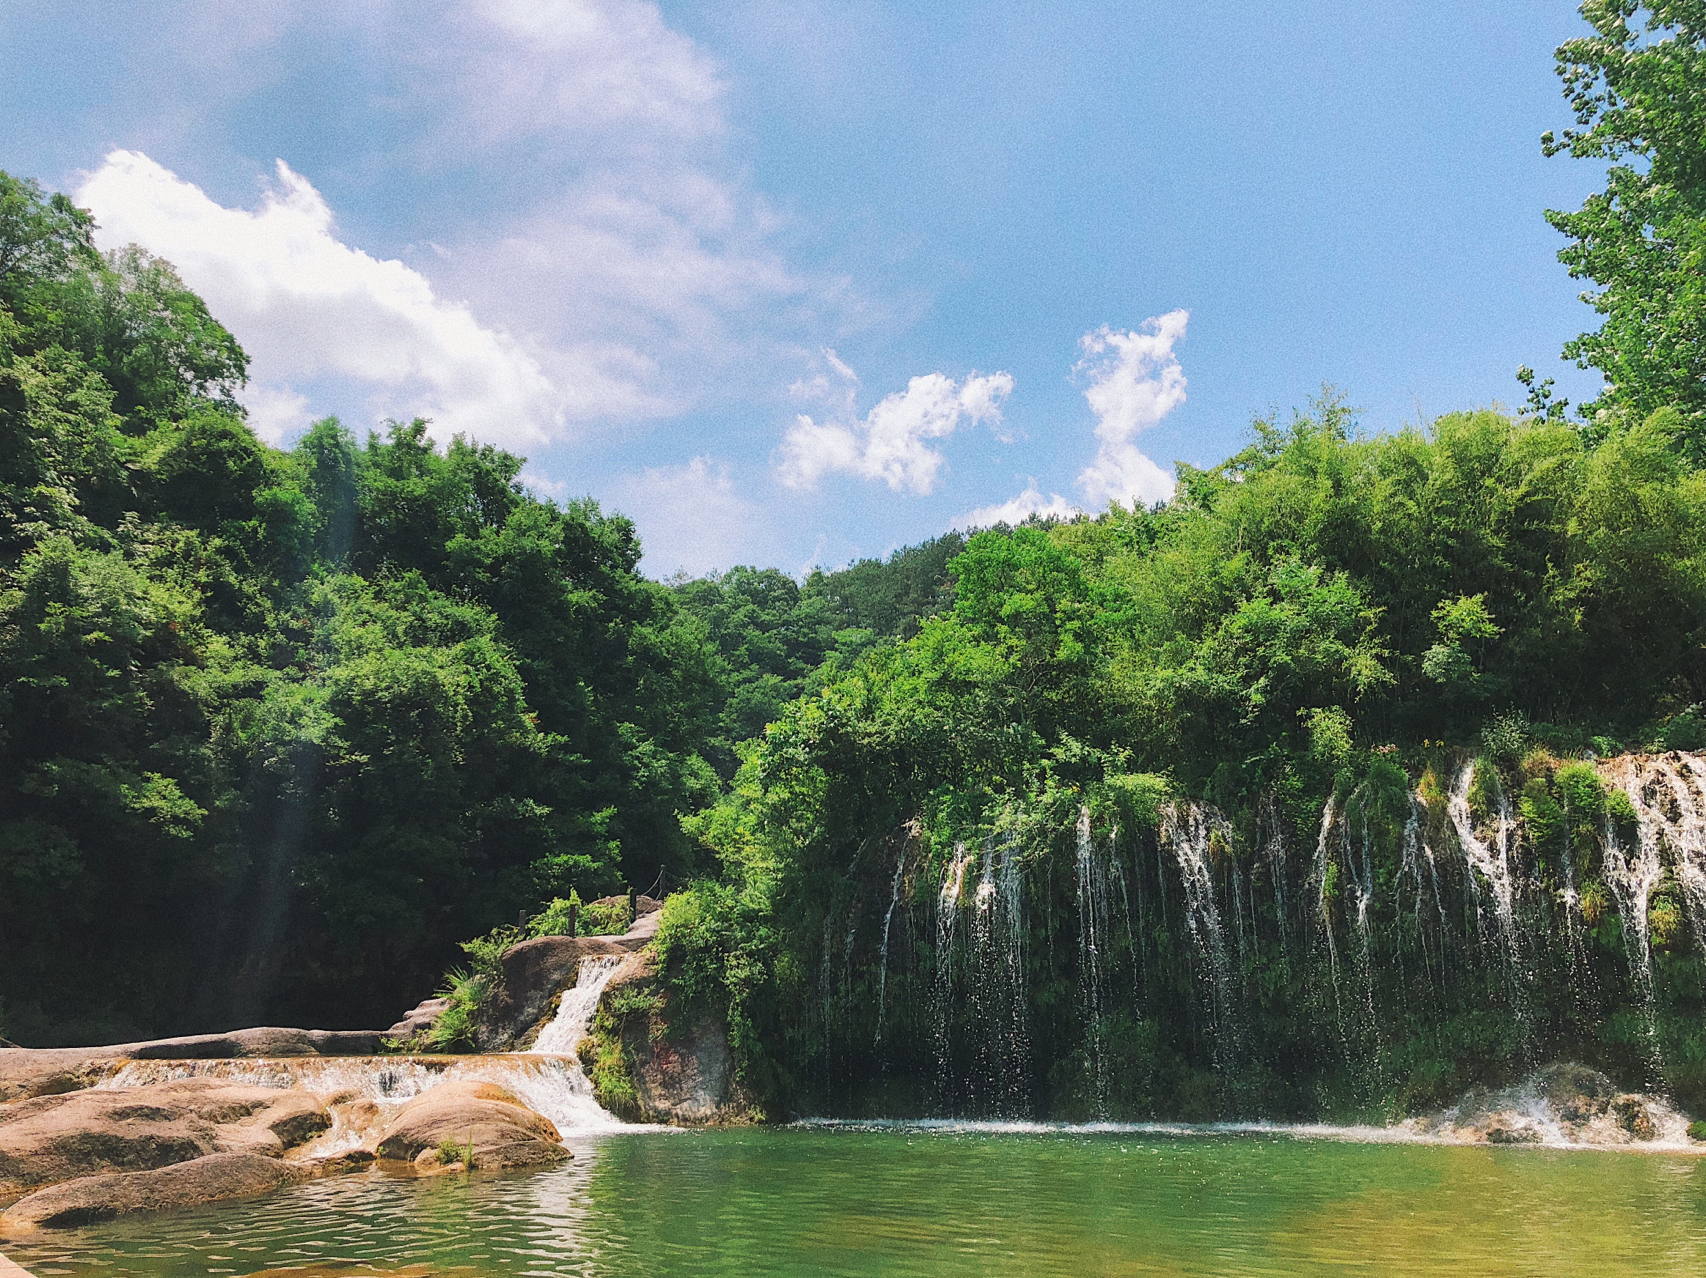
(1092, 936)
(883, 959)
(1632, 874)
(1686, 777)
(947, 915)
(1189, 828)
(1273, 840)
(1319, 878)
(1415, 850)
(576, 1008)
(998, 990)
(1492, 864)
(1363, 881)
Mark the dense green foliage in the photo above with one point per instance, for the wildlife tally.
(278, 727)
(1295, 625)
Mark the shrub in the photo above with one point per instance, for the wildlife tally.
(1504, 739)
(553, 920)
(451, 1152)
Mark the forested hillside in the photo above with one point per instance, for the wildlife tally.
(278, 727)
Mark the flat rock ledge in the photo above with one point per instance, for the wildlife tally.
(91, 1199)
(46, 1071)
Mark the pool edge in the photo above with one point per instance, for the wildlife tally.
(11, 1269)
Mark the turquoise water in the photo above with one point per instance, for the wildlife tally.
(932, 1201)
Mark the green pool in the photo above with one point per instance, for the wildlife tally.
(948, 1201)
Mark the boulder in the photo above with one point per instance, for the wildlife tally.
(62, 1137)
(1575, 1093)
(1510, 1129)
(1633, 1116)
(683, 1075)
(503, 1131)
(419, 1019)
(95, 1198)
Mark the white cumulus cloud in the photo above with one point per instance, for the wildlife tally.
(1135, 381)
(306, 305)
(890, 444)
(1018, 509)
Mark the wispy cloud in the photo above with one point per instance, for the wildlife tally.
(306, 305)
(691, 518)
(890, 443)
(1135, 381)
(1018, 509)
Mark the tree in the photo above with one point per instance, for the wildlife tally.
(40, 237)
(1638, 89)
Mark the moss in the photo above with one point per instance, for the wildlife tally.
(1697, 1131)
(1595, 901)
(1664, 921)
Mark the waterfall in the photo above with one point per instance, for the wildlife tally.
(1632, 874)
(575, 1009)
(549, 1085)
(888, 918)
(578, 1005)
(998, 993)
(1273, 838)
(1318, 879)
(1092, 936)
(947, 914)
(1492, 863)
(1686, 778)
(1189, 828)
(1416, 849)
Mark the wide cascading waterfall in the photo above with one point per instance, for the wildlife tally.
(1093, 933)
(1492, 863)
(1190, 829)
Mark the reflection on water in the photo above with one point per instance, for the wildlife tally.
(935, 1201)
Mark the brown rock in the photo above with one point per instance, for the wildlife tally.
(1502, 1129)
(503, 1131)
(1632, 1116)
(57, 1138)
(684, 1076)
(96, 1198)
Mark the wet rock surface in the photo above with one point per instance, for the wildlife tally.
(683, 1076)
(1564, 1104)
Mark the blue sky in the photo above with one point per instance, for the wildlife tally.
(791, 283)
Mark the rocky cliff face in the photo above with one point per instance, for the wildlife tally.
(654, 1061)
